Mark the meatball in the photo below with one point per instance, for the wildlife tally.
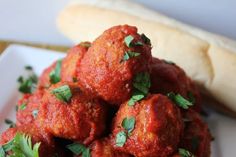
(71, 61)
(197, 137)
(112, 61)
(47, 146)
(28, 107)
(103, 148)
(68, 65)
(167, 77)
(157, 128)
(79, 118)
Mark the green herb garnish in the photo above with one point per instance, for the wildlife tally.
(121, 138)
(63, 93)
(78, 149)
(22, 106)
(185, 153)
(141, 84)
(28, 67)
(128, 40)
(129, 55)
(191, 97)
(145, 39)
(136, 96)
(55, 74)
(28, 85)
(168, 62)
(179, 100)
(35, 113)
(21, 146)
(128, 124)
(10, 123)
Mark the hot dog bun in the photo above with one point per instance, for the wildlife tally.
(210, 60)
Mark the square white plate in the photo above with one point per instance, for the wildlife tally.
(16, 57)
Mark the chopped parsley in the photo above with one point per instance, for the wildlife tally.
(10, 123)
(168, 62)
(22, 106)
(62, 93)
(141, 84)
(128, 124)
(145, 39)
(128, 40)
(55, 74)
(191, 97)
(27, 85)
(28, 67)
(179, 100)
(121, 138)
(185, 153)
(130, 54)
(78, 149)
(35, 113)
(20, 146)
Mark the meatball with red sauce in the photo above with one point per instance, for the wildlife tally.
(152, 127)
(28, 107)
(103, 148)
(38, 135)
(167, 77)
(68, 66)
(67, 112)
(197, 137)
(112, 61)
(71, 61)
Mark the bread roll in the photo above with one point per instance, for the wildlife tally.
(209, 59)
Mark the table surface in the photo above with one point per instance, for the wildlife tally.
(34, 20)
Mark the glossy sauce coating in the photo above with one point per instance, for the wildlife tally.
(103, 70)
(82, 119)
(25, 115)
(158, 127)
(167, 77)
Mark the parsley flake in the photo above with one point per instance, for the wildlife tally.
(130, 54)
(128, 124)
(22, 106)
(55, 74)
(136, 96)
(63, 93)
(141, 84)
(28, 67)
(21, 145)
(121, 138)
(145, 39)
(27, 85)
(185, 153)
(128, 40)
(35, 113)
(78, 149)
(168, 62)
(10, 123)
(179, 100)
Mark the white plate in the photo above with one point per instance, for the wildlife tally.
(14, 59)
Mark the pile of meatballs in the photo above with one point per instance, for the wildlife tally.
(116, 100)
